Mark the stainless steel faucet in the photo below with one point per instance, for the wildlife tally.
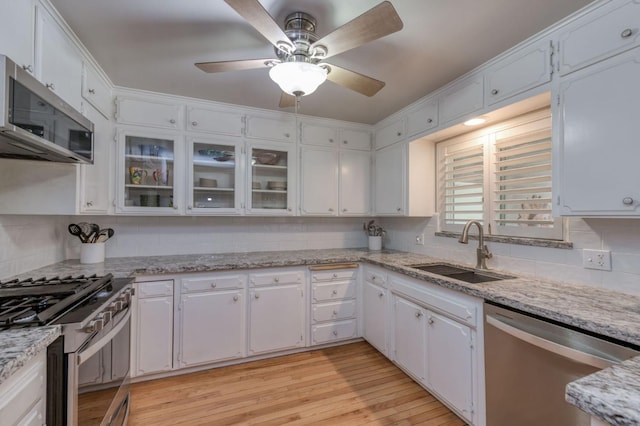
(482, 251)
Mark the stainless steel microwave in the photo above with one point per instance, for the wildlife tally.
(36, 124)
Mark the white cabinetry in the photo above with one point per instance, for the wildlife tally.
(333, 304)
(277, 128)
(391, 133)
(212, 312)
(422, 117)
(410, 337)
(354, 187)
(223, 122)
(374, 308)
(325, 135)
(461, 99)
(144, 112)
(152, 327)
(60, 63)
(597, 151)
(389, 175)
(271, 176)
(95, 184)
(276, 311)
(96, 90)
(604, 32)
(17, 32)
(521, 71)
(22, 396)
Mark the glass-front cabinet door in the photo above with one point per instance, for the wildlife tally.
(215, 176)
(271, 169)
(149, 173)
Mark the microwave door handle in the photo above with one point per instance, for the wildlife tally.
(95, 347)
(556, 348)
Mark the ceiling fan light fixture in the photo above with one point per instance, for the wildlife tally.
(298, 78)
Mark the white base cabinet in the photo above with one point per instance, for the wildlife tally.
(374, 308)
(22, 396)
(410, 337)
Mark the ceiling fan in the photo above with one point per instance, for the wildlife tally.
(300, 67)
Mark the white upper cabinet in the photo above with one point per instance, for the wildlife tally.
(142, 112)
(389, 175)
(355, 183)
(224, 122)
(462, 99)
(355, 139)
(17, 32)
(519, 72)
(324, 135)
(422, 118)
(597, 154)
(60, 63)
(391, 133)
(96, 91)
(281, 129)
(319, 181)
(604, 32)
(95, 194)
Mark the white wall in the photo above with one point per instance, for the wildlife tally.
(620, 236)
(29, 242)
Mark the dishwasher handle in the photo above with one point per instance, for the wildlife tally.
(556, 348)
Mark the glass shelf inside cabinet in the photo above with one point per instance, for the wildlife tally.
(214, 176)
(149, 172)
(269, 179)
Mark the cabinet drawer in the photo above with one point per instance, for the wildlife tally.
(334, 331)
(154, 289)
(213, 282)
(96, 91)
(334, 311)
(282, 129)
(275, 278)
(355, 139)
(375, 277)
(423, 118)
(334, 275)
(334, 291)
(390, 134)
(23, 393)
(221, 122)
(145, 113)
(318, 135)
(600, 34)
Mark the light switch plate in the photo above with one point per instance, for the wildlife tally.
(596, 259)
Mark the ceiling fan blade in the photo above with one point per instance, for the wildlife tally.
(375, 23)
(355, 81)
(259, 18)
(287, 101)
(223, 66)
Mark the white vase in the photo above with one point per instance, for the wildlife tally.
(92, 253)
(375, 242)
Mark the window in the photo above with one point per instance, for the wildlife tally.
(501, 177)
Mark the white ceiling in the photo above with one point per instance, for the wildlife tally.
(153, 44)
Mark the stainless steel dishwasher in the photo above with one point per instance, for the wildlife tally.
(528, 363)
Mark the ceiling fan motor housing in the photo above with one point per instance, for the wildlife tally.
(300, 27)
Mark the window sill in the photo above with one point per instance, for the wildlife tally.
(534, 242)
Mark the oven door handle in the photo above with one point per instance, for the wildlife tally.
(556, 348)
(91, 350)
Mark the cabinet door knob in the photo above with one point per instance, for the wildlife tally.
(627, 201)
(214, 285)
(431, 321)
(399, 209)
(51, 86)
(235, 298)
(189, 207)
(334, 292)
(380, 294)
(335, 275)
(330, 209)
(28, 68)
(399, 133)
(330, 140)
(335, 332)
(172, 120)
(286, 135)
(92, 91)
(276, 279)
(345, 142)
(194, 123)
(418, 314)
(89, 203)
(626, 33)
(494, 91)
(344, 210)
(373, 278)
(429, 120)
(257, 296)
(335, 313)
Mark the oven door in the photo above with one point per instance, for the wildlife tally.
(99, 377)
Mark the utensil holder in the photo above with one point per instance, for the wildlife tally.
(375, 243)
(92, 253)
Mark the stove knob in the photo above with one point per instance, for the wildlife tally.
(98, 323)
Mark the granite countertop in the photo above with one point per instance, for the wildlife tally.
(600, 311)
(19, 346)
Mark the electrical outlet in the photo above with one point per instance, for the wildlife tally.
(596, 259)
(420, 239)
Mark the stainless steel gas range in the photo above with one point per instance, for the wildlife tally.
(88, 367)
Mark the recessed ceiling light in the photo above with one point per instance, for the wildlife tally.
(475, 121)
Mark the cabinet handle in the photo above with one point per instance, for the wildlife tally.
(334, 292)
(214, 285)
(626, 33)
(418, 314)
(627, 201)
(335, 313)
(494, 91)
(431, 320)
(175, 207)
(51, 86)
(89, 203)
(276, 279)
(289, 209)
(399, 133)
(172, 120)
(286, 135)
(335, 332)
(373, 278)
(335, 275)
(194, 123)
(429, 120)
(235, 298)
(28, 68)
(92, 91)
(189, 207)
(330, 140)
(257, 296)
(330, 209)
(399, 209)
(380, 294)
(345, 142)
(344, 210)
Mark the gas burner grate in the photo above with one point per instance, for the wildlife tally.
(78, 280)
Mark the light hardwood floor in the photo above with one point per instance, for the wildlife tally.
(346, 385)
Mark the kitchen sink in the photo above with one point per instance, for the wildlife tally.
(467, 275)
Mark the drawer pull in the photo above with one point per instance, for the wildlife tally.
(335, 275)
(334, 292)
(276, 279)
(172, 121)
(380, 294)
(235, 298)
(335, 332)
(92, 91)
(335, 313)
(431, 321)
(214, 285)
(627, 201)
(194, 123)
(257, 296)
(419, 315)
(495, 92)
(626, 33)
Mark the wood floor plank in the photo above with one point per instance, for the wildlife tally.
(346, 385)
